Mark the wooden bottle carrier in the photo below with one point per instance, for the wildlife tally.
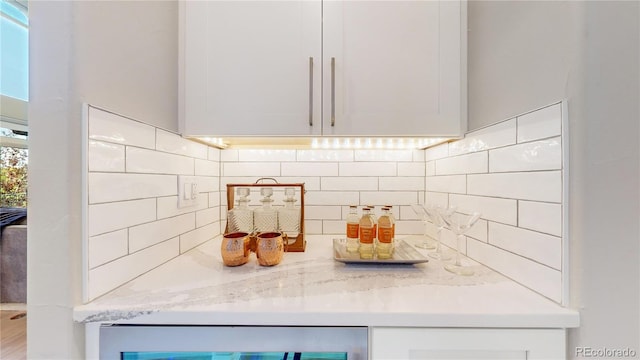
(300, 243)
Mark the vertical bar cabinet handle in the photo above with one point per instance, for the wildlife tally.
(333, 91)
(310, 91)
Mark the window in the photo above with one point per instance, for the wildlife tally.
(14, 97)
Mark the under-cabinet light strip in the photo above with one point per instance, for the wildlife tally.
(375, 143)
(340, 143)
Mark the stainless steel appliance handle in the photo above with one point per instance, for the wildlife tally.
(333, 91)
(311, 91)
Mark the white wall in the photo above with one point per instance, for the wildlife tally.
(126, 58)
(53, 251)
(522, 53)
(117, 54)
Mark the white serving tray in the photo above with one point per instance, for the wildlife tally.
(403, 253)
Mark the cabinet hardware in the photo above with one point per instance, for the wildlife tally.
(310, 91)
(333, 91)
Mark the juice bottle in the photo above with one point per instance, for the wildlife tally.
(384, 248)
(366, 234)
(353, 227)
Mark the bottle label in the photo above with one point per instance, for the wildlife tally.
(385, 235)
(352, 230)
(366, 235)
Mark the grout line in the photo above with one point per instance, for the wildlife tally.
(516, 254)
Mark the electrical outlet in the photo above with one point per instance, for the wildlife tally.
(187, 191)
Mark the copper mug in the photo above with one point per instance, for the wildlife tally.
(235, 248)
(270, 248)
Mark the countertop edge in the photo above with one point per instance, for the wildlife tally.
(567, 318)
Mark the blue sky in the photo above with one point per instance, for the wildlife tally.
(14, 52)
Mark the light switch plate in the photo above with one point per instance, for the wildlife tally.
(187, 191)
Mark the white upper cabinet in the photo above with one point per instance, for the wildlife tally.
(246, 68)
(335, 68)
(394, 68)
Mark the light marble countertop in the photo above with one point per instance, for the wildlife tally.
(311, 288)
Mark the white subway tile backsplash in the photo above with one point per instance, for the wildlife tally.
(378, 198)
(213, 154)
(479, 231)
(251, 169)
(325, 155)
(224, 180)
(109, 127)
(495, 209)
(411, 169)
(310, 182)
(543, 217)
(408, 228)
(214, 199)
(402, 183)
(145, 235)
(310, 169)
(119, 215)
(229, 155)
(407, 213)
(323, 212)
(437, 199)
(154, 162)
(418, 156)
(384, 155)
(131, 180)
(168, 206)
(368, 169)
(545, 249)
(437, 152)
(113, 274)
(331, 198)
(538, 277)
(540, 124)
(207, 168)
(105, 156)
(208, 184)
(522, 188)
(430, 168)
(344, 183)
(175, 144)
(111, 187)
(450, 183)
(207, 216)
(106, 247)
(335, 227)
(256, 155)
(538, 186)
(511, 172)
(538, 155)
(498, 135)
(313, 226)
(198, 236)
(463, 164)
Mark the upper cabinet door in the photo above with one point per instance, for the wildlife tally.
(394, 68)
(251, 68)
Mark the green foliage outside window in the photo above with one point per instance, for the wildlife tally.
(13, 177)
